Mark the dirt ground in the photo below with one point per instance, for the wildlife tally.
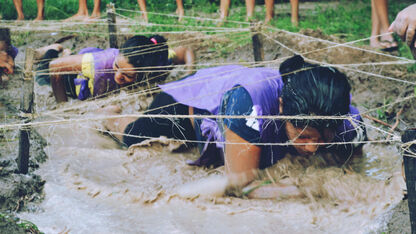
(24, 191)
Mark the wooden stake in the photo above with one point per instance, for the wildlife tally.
(409, 158)
(257, 42)
(26, 107)
(112, 30)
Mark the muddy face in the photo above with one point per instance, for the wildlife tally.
(308, 136)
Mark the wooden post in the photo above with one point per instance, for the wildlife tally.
(409, 158)
(111, 20)
(26, 107)
(257, 42)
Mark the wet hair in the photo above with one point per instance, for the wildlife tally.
(310, 89)
(146, 52)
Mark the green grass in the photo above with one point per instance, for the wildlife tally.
(349, 21)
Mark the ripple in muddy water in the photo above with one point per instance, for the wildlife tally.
(92, 184)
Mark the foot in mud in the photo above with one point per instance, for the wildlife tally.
(40, 52)
(93, 18)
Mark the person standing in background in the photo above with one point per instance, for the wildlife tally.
(380, 25)
(19, 8)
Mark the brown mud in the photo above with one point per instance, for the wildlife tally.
(160, 184)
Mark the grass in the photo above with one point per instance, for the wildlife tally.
(349, 20)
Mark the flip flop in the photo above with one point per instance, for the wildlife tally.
(389, 48)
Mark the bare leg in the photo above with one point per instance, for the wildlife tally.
(82, 13)
(142, 5)
(375, 28)
(381, 12)
(40, 52)
(180, 11)
(19, 8)
(224, 6)
(295, 12)
(41, 5)
(96, 11)
(249, 9)
(269, 10)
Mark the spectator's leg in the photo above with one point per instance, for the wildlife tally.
(295, 12)
(250, 9)
(41, 7)
(179, 10)
(224, 6)
(142, 5)
(19, 8)
(269, 10)
(96, 11)
(386, 42)
(82, 13)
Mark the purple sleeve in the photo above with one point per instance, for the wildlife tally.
(351, 131)
(13, 52)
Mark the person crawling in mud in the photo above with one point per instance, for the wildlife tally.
(247, 144)
(95, 72)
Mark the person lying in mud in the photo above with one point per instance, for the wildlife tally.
(302, 90)
(95, 72)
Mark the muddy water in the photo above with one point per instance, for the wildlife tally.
(93, 184)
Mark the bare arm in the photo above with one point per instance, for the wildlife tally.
(241, 160)
(71, 63)
(185, 56)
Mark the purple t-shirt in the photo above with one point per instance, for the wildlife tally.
(103, 74)
(206, 88)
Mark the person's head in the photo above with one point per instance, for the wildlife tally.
(139, 52)
(312, 90)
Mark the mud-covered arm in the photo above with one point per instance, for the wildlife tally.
(241, 159)
(185, 55)
(71, 64)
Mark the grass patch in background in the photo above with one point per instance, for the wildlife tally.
(349, 20)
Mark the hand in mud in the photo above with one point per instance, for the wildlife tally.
(405, 25)
(6, 63)
(262, 190)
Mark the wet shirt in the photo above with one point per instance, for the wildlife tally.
(97, 75)
(237, 90)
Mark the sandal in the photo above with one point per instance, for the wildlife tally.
(391, 46)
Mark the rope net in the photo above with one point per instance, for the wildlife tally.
(199, 32)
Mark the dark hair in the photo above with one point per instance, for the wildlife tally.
(311, 89)
(146, 52)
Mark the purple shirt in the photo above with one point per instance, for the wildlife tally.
(103, 72)
(205, 89)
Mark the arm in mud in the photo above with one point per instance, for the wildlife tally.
(241, 159)
(71, 63)
(185, 56)
(241, 165)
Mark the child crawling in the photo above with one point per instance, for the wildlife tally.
(94, 72)
(244, 145)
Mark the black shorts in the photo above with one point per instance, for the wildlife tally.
(145, 128)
